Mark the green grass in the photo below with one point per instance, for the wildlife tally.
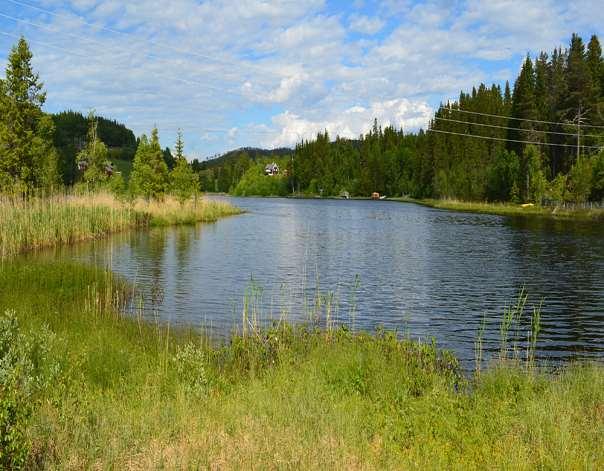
(45, 222)
(507, 209)
(132, 395)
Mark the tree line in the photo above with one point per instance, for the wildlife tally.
(476, 148)
(39, 151)
(537, 140)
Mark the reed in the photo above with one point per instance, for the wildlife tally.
(510, 209)
(35, 223)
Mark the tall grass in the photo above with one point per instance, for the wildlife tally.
(63, 219)
(510, 209)
(129, 395)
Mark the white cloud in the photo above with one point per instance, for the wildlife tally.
(365, 25)
(352, 122)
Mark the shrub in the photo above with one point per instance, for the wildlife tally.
(190, 362)
(22, 377)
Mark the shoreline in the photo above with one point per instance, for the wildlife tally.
(508, 209)
(497, 209)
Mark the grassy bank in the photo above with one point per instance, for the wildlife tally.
(45, 222)
(119, 393)
(508, 209)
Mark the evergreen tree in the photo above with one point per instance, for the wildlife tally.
(149, 175)
(507, 99)
(184, 182)
(168, 158)
(524, 104)
(179, 148)
(594, 63)
(94, 158)
(579, 78)
(27, 156)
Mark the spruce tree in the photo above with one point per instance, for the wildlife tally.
(595, 65)
(596, 68)
(524, 107)
(184, 181)
(180, 146)
(27, 157)
(578, 78)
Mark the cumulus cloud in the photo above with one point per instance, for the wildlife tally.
(352, 122)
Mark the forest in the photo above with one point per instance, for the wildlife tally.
(536, 141)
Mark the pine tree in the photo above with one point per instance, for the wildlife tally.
(149, 176)
(27, 157)
(184, 181)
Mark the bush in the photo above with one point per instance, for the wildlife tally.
(22, 377)
(255, 183)
(190, 362)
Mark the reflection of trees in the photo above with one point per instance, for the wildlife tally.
(148, 252)
(184, 236)
(185, 239)
(162, 257)
(562, 261)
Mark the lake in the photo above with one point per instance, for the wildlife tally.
(426, 273)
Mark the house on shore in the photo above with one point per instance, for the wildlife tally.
(271, 169)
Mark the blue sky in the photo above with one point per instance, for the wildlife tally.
(267, 73)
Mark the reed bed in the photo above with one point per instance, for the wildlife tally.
(39, 222)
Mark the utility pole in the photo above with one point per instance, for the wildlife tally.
(578, 121)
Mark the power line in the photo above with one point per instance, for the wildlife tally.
(66, 51)
(104, 46)
(48, 28)
(512, 140)
(150, 41)
(98, 59)
(515, 129)
(516, 119)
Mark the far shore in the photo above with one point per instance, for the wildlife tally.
(500, 209)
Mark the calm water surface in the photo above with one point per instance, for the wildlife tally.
(424, 272)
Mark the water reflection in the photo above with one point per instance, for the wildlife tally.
(433, 273)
